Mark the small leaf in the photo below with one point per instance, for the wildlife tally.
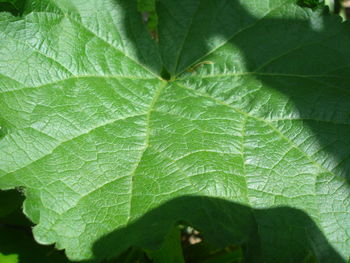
(9, 258)
(171, 250)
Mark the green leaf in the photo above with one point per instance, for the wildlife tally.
(171, 250)
(132, 255)
(248, 142)
(310, 3)
(146, 5)
(9, 258)
(148, 10)
(230, 257)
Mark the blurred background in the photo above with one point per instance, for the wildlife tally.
(341, 7)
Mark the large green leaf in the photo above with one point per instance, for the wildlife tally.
(248, 141)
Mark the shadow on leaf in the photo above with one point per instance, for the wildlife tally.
(288, 67)
(292, 70)
(268, 235)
